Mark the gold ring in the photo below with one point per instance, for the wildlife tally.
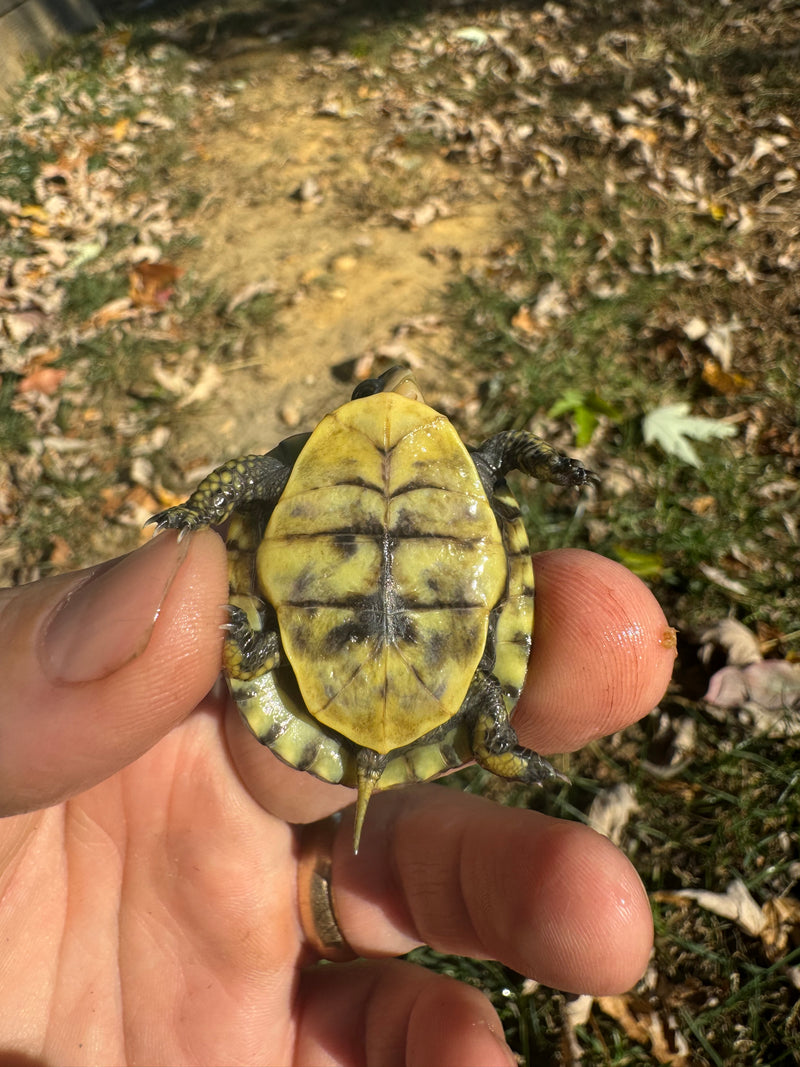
(314, 896)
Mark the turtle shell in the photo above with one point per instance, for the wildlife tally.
(381, 591)
(388, 570)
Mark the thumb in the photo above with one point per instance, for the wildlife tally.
(98, 665)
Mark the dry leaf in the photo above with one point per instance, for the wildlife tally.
(769, 691)
(152, 284)
(695, 329)
(725, 382)
(718, 577)
(42, 380)
(413, 218)
(576, 1012)
(206, 386)
(782, 927)
(249, 292)
(740, 645)
(611, 810)
(735, 903)
(703, 505)
(119, 130)
(20, 325)
(114, 311)
(677, 740)
(61, 552)
(525, 322)
(667, 1044)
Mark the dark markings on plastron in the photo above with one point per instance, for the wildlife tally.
(418, 483)
(376, 617)
(436, 690)
(433, 583)
(457, 644)
(436, 648)
(346, 543)
(305, 581)
(402, 604)
(364, 528)
(447, 605)
(361, 483)
(406, 528)
(313, 604)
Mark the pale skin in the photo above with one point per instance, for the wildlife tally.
(148, 856)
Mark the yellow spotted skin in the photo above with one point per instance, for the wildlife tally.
(383, 560)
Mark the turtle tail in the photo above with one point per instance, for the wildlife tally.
(369, 768)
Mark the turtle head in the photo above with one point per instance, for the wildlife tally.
(395, 380)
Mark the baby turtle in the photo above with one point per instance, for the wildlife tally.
(381, 591)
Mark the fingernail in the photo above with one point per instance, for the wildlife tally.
(107, 621)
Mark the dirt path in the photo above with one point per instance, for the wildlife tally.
(292, 196)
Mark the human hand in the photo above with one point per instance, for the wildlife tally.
(148, 860)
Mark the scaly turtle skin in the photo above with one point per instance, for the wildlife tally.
(381, 584)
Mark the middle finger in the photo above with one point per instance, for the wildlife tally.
(551, 899)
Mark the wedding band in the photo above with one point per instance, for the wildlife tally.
(314, 896)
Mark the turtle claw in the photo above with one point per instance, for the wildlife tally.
(154, 521)
(571, 472)
(237, 619)
(181, 518)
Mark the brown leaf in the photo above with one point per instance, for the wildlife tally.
(42, 380)
(726, 382)
(151, 284)
(61, 553)
(111, 497)
(119, 130)
(644, 1026)
(783, 925)
(703, 505)
(525, 322)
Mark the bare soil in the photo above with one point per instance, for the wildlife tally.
(289, 198)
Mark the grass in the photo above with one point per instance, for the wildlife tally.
(631, 348)
(574, 323)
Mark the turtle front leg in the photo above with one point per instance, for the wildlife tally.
(495, 744)
(524, 451)
(233, 485)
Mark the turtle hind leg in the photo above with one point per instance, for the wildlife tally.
(524, 451)
(495, 744)
(249, 649)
